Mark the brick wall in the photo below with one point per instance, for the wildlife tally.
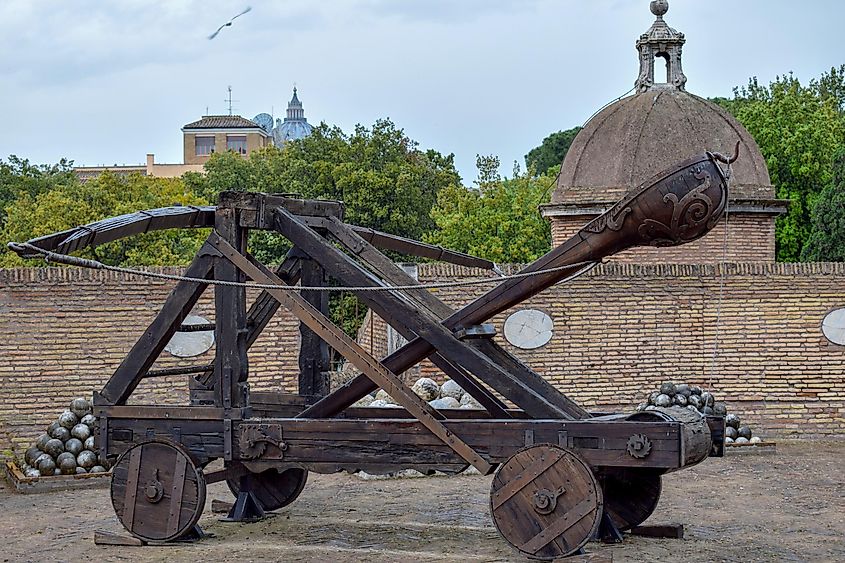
(619, 331)
(63, 331)
(622, 329)
(751, 238)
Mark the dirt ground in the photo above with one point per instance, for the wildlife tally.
(748, 506)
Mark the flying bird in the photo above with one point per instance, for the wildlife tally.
(229, 23)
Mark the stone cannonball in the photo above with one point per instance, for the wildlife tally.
(730, 432)
(42, 441)
(707, 411)
(378, 404)
(445, 403)
(741, 440)
(693, 409)
(54, 447)
(67, 463)
(732, 420)
(469, 402)
(707, 399)
(68, 419)
(680, 400)
(80, 407)
(755, 440)
(81, 431)
(383, 395)
(74, 446)
(86, 459)
(90, 420)
(97, 469)
(683, 389)
(694, 400)
(90, 443)
(81, 470)
(653, 397)
(451, 389)
(32, 472)
(695, 390)
(744, 432)
(32, 454)
(663, 400)
(427, 389)
(720, 409)
(729, 440)
(60, 433)
(103, 460)
(667, 388)
(53, 426)
(641, 407)
(46, 466)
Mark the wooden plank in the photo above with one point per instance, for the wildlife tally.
(388, 270)
(102, 537)
(399, 312)
(230, 361)
(353, 352)
(673, 531)
(146, 350)
(313, 350)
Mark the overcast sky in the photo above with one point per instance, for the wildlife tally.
(107, 82)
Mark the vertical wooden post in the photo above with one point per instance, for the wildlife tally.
(230, 362)
(313, 350)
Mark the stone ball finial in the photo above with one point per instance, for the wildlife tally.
(659, 7)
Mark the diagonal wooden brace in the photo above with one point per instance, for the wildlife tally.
(353, 352)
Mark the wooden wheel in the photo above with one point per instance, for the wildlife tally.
(274, 489)
(157, 491)
(545, 501)
(630, 495)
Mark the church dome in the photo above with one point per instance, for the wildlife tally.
(636, 137)
(632, 139)
(294, 126)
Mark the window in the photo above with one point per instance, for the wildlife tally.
(205, 145)
(236, 143)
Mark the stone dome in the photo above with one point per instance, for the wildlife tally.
(294, 126)
(636, 137)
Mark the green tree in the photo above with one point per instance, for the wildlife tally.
(498, 220)
(385, 181)
(19, 178)
(551, 152)
(799, 130)
(827, 235)
(75, 203)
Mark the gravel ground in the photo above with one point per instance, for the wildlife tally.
(749, 506)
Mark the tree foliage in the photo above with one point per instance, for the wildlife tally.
(799, 130)
(385, 181)
(499, 219)
(827, 235)
(71, 203)
(551, 152)
(20, 178)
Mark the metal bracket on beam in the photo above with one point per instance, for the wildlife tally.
(476, 331)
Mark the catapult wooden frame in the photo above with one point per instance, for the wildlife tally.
(535, 435)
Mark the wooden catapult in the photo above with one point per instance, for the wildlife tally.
(562, 475)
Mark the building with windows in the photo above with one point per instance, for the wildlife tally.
(215, 133)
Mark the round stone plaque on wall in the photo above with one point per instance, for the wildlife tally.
(190, 344)
(833, 326)
(529, 329)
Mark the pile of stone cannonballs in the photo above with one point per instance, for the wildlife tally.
(450, 395)
(702, 402)
(67, 448)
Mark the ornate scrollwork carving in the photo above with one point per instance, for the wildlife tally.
(612, 219)
(694, 210)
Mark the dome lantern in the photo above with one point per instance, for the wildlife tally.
(664, 42)
(628, 141)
